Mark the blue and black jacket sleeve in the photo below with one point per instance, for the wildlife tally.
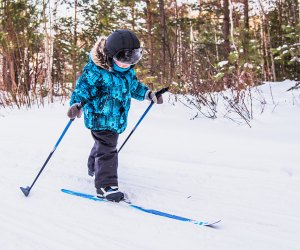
(138, 90)
(87, 85)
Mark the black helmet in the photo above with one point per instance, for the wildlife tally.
(123, 46)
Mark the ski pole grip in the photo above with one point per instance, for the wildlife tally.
(162, 91)
(79, 106)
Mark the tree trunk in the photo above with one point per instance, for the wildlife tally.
(267, 45)
(133, 15)
(150, 37)
(246, 31)
(262, 50)
(163, 38)
(47, 54)
(232, 25)
(74, 56)
(216, 39)
(176, 51)
(226, 28)
(271, 55)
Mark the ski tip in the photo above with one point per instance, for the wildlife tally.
(213, 224)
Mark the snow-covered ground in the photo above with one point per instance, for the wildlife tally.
(201, 169)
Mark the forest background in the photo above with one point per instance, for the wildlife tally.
(199, 48)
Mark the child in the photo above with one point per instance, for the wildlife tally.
(106, 87)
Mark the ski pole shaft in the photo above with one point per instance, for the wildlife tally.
(159, 93)
(26, 190)
(147, 110)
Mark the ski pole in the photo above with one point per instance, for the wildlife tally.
(26, 190)
(158, 94)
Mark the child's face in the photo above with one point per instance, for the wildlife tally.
(122, 65)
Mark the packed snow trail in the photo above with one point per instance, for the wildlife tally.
(248, 177)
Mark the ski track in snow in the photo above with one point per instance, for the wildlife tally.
(201, 169)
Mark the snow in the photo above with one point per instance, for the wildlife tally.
(222, 63)
(248, 65)
(200, 168)
(295, 59)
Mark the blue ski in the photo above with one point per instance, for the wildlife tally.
(150, 211)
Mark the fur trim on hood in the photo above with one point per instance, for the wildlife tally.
(98, 55)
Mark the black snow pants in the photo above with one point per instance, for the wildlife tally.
(103, 159)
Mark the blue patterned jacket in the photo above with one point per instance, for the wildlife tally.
(107, 93)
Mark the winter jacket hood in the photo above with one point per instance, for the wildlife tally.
(98, 55)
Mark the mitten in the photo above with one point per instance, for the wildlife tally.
(75, 110)
(151, 96)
